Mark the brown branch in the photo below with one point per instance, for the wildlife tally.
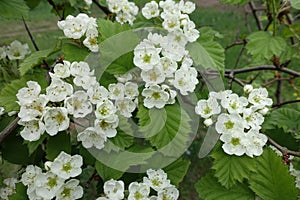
(285, 103)
(51, 2)
(254, 12)
(236, 43)
(283, 150)
(10, 128)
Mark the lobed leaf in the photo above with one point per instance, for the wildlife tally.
(56, 144)
(13, 9)
(107, 173)
(272, 180)
(177, 170)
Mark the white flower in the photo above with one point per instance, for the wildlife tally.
(157, 179)
(2, 111)
(9, 189)
(47, 184)
(208, 122)
(252, 118)
(172, 49)
(259, 98)
(171, 22)
(172, 93)
(186, 80)
(56, 119)
(58, 90)
(88, 2)
(178, 37)
(131, 90)
(116, 90)
(78, 104)
(80, 69)
(168, 66)
(16, 50)
(85, 81)
(234, 104)
(248, 88)
(91, 137)
(146, 55)
(168, 193)
(150, 10)
(125, 106)
(115, 6)
(138, 191)
(66, 166)
(34, 109)
(207, 108)
(97, 93)
(91, 43)
(296, 174)
(190, 32)
(229, 123)
(11, 113)
(255, 143)
(2, 52)
(187, 7)
(234, 142)
(105, 109)
(28, 94)
(155, 38)
(108, 126)
(30, 173)
(155, 96)
(62, 70)
(70, 190)
(153, 76)
(122, 78)
(220, 95)
(33, 129)
(264, 111)
(74, 27)
(114, 189)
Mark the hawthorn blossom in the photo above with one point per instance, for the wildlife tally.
(155, 96)
(70, 190)
(17, 51)
(34, 109)
(97, 93)
(150, 10)
(207, 108)
(125, 106)
(91, 137)
(229, 123)
(259, 98)
(138, 191)
(33, 129)
(234, 104)
(157, 179)
(234, 142)
(153, 76)
(114, 189)
(26, 95)
(255, 143)
(58, 90)
(56, 119)
(105, 109)
(78, 104)
(185, 80)
(107, 126)
(62, 70)
(168, 193)
(117, 90)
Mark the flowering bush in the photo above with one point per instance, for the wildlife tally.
(115, 110)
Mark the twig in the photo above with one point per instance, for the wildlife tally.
(236, 43)
(285, 103)
(278, 90)
(51, 2)
(283, 150)
(254, 12)
(238, 81)
(11, 127)
(104, 9)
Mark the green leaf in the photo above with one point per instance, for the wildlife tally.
(13, 9)
(263, 45)
(295, 4)
(122, 65)
(90, 191)
(285, 118)
(88, 159)
(73, 52)
(207, 54)
(34, 59)
(231, 169)
(32, 146)
(21, 193)
(177, 170)
(177, 125)
(235, 2)
(272, 180)
(8, 93)
(283, 138)
(107, 173)
(209, 188)
(108, 28)
(56, 144)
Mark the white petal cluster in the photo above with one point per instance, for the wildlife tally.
(55, 182)
(79, 26)
(8, 188)
(156, 180)
(241, 121)
(125, 10)
(15, 51)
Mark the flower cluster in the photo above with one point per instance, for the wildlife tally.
(125, 11)
(164, 62)
(156, 180)
(8, 189)
(239, 125)
(40, 112)
(56, 181)
(15, 51)
(77, 27)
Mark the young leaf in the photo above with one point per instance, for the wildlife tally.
(107, 173)
(209, 188)
(177, 170)
(34, 59)
(263, 45)
(208, 54)
(20, 194)
(231, 169)
(56, 144)
(13, 9)
(272, 180)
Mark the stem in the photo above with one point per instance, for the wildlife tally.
(285, 103)
(10, 128)
(274, 12)
(283, 150)
(254, 12)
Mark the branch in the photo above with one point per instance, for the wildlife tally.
(254, 10)
(263, 67)
(11, 127)
(283, 150)
(51, 2)
(104, 9)
(285, 103)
